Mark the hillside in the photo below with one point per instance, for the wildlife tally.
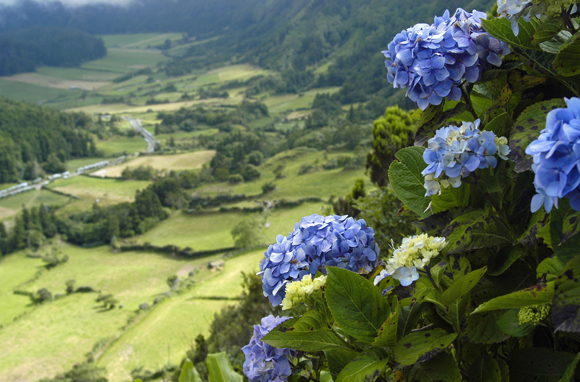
(25, 50)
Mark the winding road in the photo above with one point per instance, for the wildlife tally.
(149, 138)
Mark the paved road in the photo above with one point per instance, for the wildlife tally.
(149, 138)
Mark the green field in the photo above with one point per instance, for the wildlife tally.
(31, 93)
(76, 73)
(137, 40)
(55, 335)
(106, 190)
(125, 60)
(13, 204)
(120, 145)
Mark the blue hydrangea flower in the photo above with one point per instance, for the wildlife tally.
(455, 152)
(406, 276)
(315, 242)
(556, 155)
(265, 363)
(431, 61)
(513, 10)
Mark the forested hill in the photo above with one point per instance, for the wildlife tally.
(24, 50)
(34, 139)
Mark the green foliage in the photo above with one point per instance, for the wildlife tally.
(84, 372)
(392, 132)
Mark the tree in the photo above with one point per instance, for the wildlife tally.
(18, 239)
(248, 232)
(395, 130)
(70, 286)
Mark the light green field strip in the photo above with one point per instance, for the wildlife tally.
(281, 103)
(111, 190)
(76, 73)
(120, 145)
(13, 204)
(29, 93)
(125, 60)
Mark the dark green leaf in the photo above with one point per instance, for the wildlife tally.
(564, 231)
(408, 318)
(387, 336)
(483, 328)
(529, 238)
(422, 346)
(569, 373)
(566, 304)
(461, 287)
(364, 369)
(442, 368)
(356, 304)
(406, 179)
(536, 295)
(500, 124)
(451, 198)
(493, 74)
(550, 268)
(484, 369)
(548, 29)
(527, 129)
(509, 323)
(338, 358)
(502, 30)
(220, 369)
(474, 230)
(538, 365)
(501, 261)
(567, 61)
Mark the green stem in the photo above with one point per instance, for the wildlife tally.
(428, 273)
(568, 20)
(467, 99)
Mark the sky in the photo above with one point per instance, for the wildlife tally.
(72, 2)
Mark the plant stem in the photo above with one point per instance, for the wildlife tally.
(568, 20)
(467, 99)
(428, 272)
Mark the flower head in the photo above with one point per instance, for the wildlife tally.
(415, 252)
(315, 242)
(264, 362)
(534, 314)
(298, 291)
(455, 152)
(432, 60)
(556, 155)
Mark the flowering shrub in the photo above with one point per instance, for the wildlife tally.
(316, 242)
(488, 286)
(432, 61)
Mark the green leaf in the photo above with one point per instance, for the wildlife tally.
(567, 61)
(364, 369)
(529, 238)
(527, 129)
(536, 295)
(310, 341)
(566, 304)
(484, 369)
(325, 376)
(461, 286)
(437, 119)
(550, 268)
(421, 346)
(408, 318)
(564, 231)
(502, 30)
(442, 367)
(483, 328)
(451, 198)
(569, 373)
(509, 323)
(493, 74)
(548, 29)
(338, 358)
(500, 124)
(357, 306)
(188, 373)
(387, 336)
(406, 179)
(539, 365)
(220, 369)
(501, 261)
(474, 230)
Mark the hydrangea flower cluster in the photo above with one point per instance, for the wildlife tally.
(265, 363)
(432, 60)
(556, 155)
(317, 241)
(455, 152)
(415, 252)
(298, 291)
(534, 314)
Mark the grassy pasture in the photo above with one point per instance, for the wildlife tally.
(205, 232)
(31, 93)
(282, 103)
(44, 80)
(122, 60)
(11, 205)
(106, 190)
(119, 145)
(76, 73)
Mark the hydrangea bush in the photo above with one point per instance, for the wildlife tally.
(489, 287)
